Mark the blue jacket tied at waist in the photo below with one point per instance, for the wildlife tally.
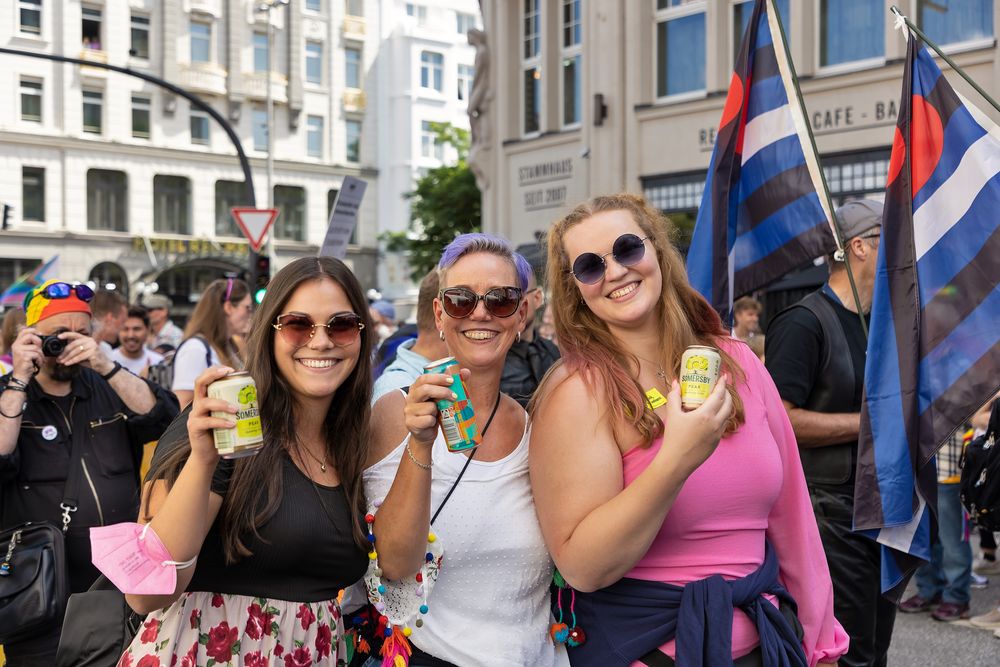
(633, 617)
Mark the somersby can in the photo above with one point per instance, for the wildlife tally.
(457, 419)
(247, 437)
(699, 372)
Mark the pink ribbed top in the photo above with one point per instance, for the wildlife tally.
(751, 488)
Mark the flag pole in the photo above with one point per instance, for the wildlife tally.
(951, 63)
(822, 174)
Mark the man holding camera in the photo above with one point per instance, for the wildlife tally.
(72, 425)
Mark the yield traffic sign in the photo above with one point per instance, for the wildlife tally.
(255, 223)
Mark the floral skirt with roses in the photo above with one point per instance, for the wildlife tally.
(208, 629)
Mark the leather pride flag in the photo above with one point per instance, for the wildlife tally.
(934, 343)
(763, 213)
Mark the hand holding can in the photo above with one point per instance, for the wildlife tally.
(420, 413)
(691, 436)
(206, 415)
(245, 437)
(456, 416)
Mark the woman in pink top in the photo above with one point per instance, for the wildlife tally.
(641, 503)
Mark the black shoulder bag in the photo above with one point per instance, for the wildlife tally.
(980, 485)
(34, 579)
(98, 628)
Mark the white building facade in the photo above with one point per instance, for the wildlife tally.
(131, 184)
(425, 69)
(593, 97)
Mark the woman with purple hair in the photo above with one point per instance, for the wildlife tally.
(489, 604)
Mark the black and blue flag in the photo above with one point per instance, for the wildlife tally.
(763, 212)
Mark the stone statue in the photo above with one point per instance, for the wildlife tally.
(480, 100)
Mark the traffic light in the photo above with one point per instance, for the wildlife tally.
(7, 208)
(263, 276)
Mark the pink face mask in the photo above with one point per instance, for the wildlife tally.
(134, 559)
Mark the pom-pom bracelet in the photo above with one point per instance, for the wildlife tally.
(570, 634)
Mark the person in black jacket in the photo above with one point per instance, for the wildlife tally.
(531, 356)
(72, 426)
(815, 352)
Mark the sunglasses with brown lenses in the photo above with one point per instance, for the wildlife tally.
(460, 302)
(298, 329)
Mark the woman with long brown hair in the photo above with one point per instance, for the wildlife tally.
(276, 535)
(662, 521)
(212, 335)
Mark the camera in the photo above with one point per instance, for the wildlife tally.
(53, 346)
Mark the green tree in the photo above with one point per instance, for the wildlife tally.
(445, 203)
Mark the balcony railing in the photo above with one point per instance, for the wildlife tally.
(255, 86)
(204, 78)
(94, 56)
(355, 100)
(213, 7)
(354, 27)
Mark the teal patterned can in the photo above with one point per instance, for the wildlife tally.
(457, 418)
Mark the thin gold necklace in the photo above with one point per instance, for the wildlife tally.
(654, 397)
(322, 463)
(660, 373)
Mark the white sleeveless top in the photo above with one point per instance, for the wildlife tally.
(490, 604)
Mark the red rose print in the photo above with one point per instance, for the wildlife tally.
(278, 650)
(300, 657)
(149, 631)
(216, 600)
(259, 623)
(323, 640)
(149, 661)
(126, 660)
(191, 659)
(173, 660)
(195, 618)
(306, 615)
(254, 659)
(220, 642)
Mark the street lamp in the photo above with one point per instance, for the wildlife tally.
(266, 7)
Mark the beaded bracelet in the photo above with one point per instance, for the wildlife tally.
(396, 634)
(561, 632)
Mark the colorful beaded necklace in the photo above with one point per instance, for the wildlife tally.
(396, 649)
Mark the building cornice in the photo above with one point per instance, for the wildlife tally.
(821, 82)
(103, 239)
(542, 141)
(161, 152)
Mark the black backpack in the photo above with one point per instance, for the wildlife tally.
(980, 486)
(162, 372)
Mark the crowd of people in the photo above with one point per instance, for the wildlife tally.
(595, 521)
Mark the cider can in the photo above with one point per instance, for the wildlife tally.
(247, 437)
(457, 419)
(700, 367)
